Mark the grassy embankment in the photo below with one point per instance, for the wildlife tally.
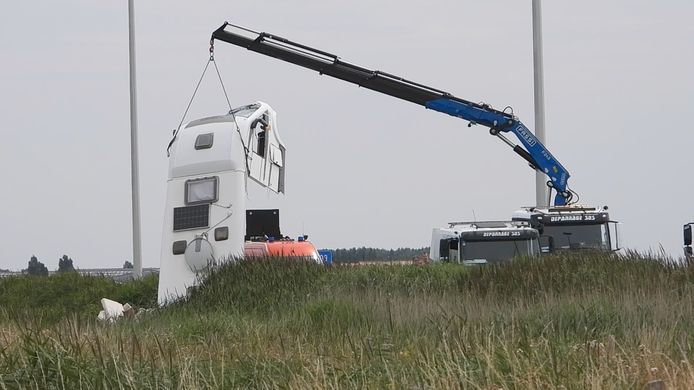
(579, 321)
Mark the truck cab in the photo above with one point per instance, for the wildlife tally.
(688, 253)
(572, 227)
(479, 243)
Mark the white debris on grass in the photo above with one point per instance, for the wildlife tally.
(112, 310)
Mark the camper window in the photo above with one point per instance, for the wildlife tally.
(260, 127)
(200, 191)
(261, 144)
(204, 141)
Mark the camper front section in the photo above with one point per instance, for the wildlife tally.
(205, 211)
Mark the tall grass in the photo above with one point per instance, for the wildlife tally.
(582, 320)
(53, 298)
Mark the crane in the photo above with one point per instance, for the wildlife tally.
(498, 122)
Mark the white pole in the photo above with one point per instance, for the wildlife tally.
(541, 195)
(134, 163)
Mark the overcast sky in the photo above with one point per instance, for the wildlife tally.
(363, 169)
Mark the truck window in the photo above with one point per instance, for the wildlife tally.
(578, 236)
(443, 249)
(446, 246)
(499, 251)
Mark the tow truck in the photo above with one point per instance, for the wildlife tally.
(481, 243)
(498, 122)
(572, 227)
(688, 253)
(564, 224)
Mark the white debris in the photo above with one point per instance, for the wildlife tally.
(129, 311)
(112, 310)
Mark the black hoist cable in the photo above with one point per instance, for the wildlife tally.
(195, 91)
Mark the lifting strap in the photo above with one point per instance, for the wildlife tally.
(226, 96)
(202, 76)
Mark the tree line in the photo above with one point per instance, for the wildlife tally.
(65, 264)
(343, 255)
(37, 268)
(376, 254)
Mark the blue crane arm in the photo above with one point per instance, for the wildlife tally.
(534, 152)
(540, 157)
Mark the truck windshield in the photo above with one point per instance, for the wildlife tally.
(579, 236)
(498, 251)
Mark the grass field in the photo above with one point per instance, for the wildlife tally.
(576, 321)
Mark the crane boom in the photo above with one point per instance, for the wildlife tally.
(534, 152)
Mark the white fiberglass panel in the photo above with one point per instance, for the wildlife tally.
(186, 160)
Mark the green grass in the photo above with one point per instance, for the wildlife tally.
(53, 298)
(584, 320)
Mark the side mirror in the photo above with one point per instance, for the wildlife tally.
(688, 234)
(615, 235)
(546, 244)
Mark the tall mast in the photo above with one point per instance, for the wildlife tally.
(541, 195)
(134, 162)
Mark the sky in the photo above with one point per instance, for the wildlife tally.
(363, 169)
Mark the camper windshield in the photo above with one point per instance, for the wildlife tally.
(498, 251)
(579, 236)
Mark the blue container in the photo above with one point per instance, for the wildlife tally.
(326, 256)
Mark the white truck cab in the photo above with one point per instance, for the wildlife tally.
(205, 212)
(478, 243)
(688, 253)
(572, 227)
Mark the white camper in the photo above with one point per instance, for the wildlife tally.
(479, 243)
(205, 216)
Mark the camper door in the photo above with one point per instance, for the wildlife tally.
(266, 152)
